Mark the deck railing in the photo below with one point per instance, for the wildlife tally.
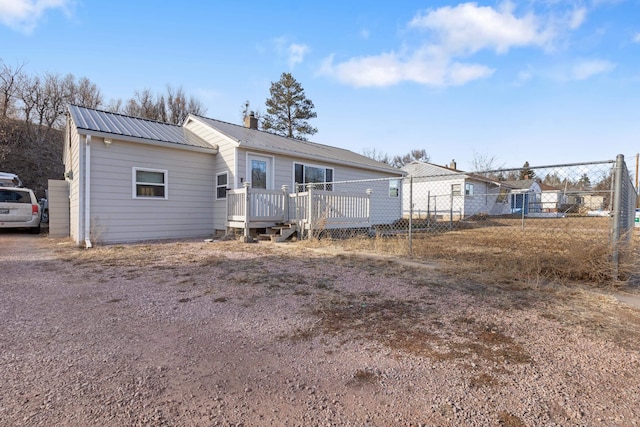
(311, 210)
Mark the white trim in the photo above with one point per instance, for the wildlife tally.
(87, 192)
(134, 183)
(270, 166)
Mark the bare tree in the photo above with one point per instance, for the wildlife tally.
(30, 93)
(86, 94)
(9, 86)
(419, 154)
(174, 108)
(486, 165)
(115, 106)
(379, 156)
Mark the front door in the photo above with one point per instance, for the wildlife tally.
(259, 171)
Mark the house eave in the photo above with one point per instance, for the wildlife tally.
(156, 143)
(248, 146)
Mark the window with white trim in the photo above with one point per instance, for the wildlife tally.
(150, 184)
(468, 189)
(309, 174)
(456, 189)
(222, 180)
(394, 188)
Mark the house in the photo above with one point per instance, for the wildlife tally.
(447, 193)
(537, 198)
(132, 179)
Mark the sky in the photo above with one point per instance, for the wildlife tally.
(544, 81)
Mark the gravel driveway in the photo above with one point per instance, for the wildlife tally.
(223, 333)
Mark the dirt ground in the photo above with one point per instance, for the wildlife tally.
(231, 334)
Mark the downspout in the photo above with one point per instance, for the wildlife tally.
(87, 192)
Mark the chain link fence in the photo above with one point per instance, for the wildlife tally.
(569, 222)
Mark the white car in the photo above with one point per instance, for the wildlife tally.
(9, 180)
(19, 208)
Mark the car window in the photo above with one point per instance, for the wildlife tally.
(14, 197)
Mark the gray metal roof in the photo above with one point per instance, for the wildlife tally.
(265, 141)
(424, 169)
(133, 127)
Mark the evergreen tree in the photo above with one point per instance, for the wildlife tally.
(288, 109)
(526, 172)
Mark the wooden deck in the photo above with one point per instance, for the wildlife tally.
(312, 210)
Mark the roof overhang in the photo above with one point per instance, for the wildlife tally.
(174, 145)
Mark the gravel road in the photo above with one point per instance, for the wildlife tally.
(230, 334)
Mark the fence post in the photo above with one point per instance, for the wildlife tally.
(617, 214)
(369, 191)
(247, 211)
(410, 216)
(285, 203)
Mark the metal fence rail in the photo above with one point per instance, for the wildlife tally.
(547, 214)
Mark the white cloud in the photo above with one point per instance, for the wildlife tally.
(296, 53)
(293, 52)
(586, 69)
(468, 28)
(636, 38)
(424, 67)
(24, 15)
(451, 35)
(577, 18)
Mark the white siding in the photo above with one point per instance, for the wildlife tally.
(225, 161)
(116, 216)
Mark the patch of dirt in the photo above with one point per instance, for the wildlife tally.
(224, 333)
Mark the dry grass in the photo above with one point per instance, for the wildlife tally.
(501, 251)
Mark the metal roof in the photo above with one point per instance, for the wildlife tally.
(265, 141)
(425, 169)
(133, 127)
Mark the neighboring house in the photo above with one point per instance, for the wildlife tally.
(445, 192)
(133, 179)
(537, 198)
(587, 200)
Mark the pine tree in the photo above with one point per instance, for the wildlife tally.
(526, 172)
(288, 109)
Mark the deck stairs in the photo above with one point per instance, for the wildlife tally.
(279, 233)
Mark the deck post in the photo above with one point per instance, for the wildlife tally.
(247, 211)
(285, 202)
(310, 217)
(410, 232)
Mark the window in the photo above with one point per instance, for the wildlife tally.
(394, 188)
(306, 174)
(150, 183)
(258, 174)
(468, 189)
(456, 189)
(222, 180)
(502, 196)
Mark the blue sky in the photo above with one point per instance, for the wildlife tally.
(543, 81)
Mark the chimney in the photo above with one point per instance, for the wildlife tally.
(453, 165)
(251, 121)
